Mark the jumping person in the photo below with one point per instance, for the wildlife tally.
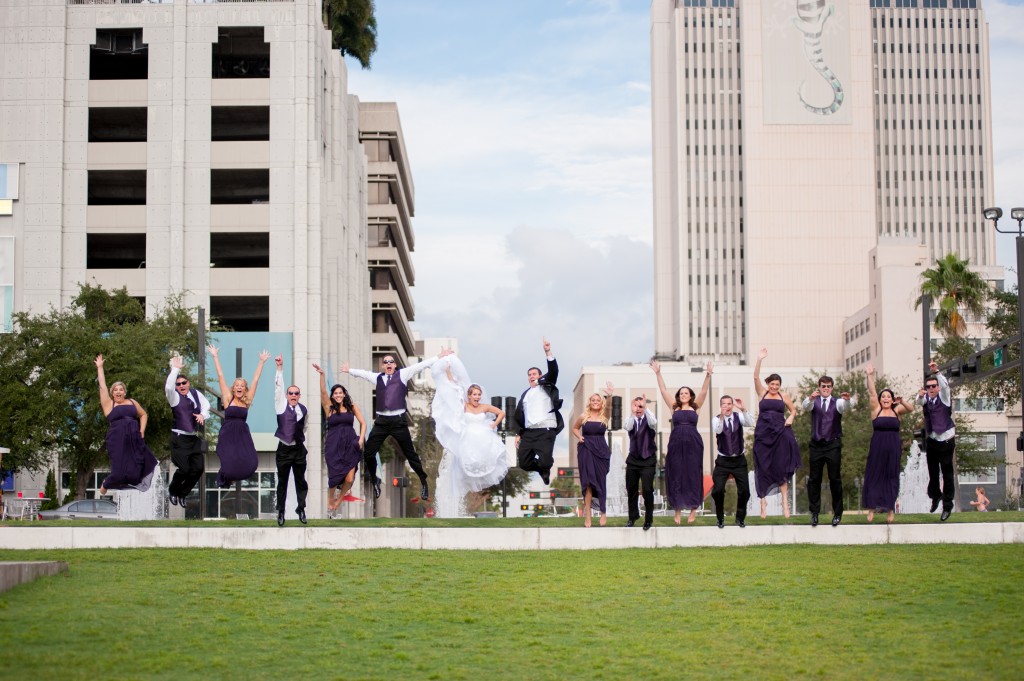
(391, 419)
(728, 426)
(941, 443)
(291, 443)
(642, 461)
(190, 409)
(826, 447)
(538, 421)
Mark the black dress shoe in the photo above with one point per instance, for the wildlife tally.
(647, 525)
(425, 492)
(630, 523)
(742, 522)
(376, 488)
(721, 523)
(280, 518)
(814, 520)
(836, 519)
(173, 499)
(935, 505)
(945, 515)
(546, 477)
(302, 515)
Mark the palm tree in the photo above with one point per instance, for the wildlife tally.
(353, 28)
(957, 288)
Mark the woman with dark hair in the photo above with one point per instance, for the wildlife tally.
(131, 462)
(342, 448)
(776, 452)
(235, 448)
(882, 469)
(684, 458)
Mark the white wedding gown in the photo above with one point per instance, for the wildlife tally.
(474, 458)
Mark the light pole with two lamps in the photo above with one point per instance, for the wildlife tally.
(1017, 214)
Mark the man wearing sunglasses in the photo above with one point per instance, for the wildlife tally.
(191, 409)
(291, 445)
(391, 419)
(941, 443)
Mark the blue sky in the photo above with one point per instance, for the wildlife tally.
(528, 130)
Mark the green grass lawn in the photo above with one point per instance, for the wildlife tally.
(849, 518)
(788, 612)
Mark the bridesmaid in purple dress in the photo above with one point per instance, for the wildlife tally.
(684, 459)
(343, 450)
(592, 454)
(235, 448)
(882, 470)
(776, 452)
(131, 462)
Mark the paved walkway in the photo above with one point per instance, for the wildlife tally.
(500, 539)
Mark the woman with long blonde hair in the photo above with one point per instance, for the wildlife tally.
(131, 462)
(593, 457)
(235, 448)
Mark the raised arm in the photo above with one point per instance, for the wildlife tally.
(280, 401)
(172, 377)
(703, 395)
(758, 386)
(656, 367)
(609, 392)
(264, 356)
(746, 418)
(869, 370)
(902, 407)
(325, 399)
(105, 402)
(225, 394)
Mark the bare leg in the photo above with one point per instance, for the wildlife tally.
(764, 508)
(889, 518)
(784, 489)
(693, 516)
(346, 486)
(679, 517)
(871, 516)
(587, 497)
(604, 520)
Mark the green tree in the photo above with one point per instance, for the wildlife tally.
(956, 288)
(353, 28)
(48, 379)
(50, 492)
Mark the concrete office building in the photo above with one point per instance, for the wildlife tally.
(810, 161)
(210, 148)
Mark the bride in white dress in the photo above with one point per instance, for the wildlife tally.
(474, 458)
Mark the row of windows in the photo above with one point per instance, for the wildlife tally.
(714, 124)
(941, 22)
(699, 150)
(961, 179)
(935, 48)
(936, 99)
(227, 124)
(695, 202)
(946, 150)
(128, 251)
(695, 253)
(858, 358)
(934, 202)
(703, 99)
(708, 279)
(729, 305)
(730, 45)
(227, 186)
(710, 73)
(916, 73)
(926, 124)
(120, 54)
(858, 331)
(708, 3)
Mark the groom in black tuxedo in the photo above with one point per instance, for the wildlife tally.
(537, 420)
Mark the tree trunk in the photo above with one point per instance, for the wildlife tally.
(82, 476)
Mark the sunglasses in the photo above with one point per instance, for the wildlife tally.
(933, 385)
(293, 392)
(388, 361)
(181, 383)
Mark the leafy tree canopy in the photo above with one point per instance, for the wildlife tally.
(353, 28)
(956, 288)
(47, 376)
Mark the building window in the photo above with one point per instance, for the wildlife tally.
(380, 235)
(239, 185)
(240, 313)
(379, 193)
(116, 188)
(240, 52)
(115, 252)
(258, 494)
(378, 150)
(239, 249)
(382, 321)
(239, 123)
(118, 124)
(380, 279)
(119, 54)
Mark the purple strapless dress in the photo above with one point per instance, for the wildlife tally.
(131, 462)
(882, 470)
(776, 452)
(594, 458)
(684, 462)
(235, 448)
(341, 448)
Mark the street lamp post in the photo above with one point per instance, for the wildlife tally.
(1017, 214)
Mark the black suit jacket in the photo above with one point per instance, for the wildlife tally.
(547, 384)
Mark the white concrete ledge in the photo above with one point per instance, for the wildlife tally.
(499, 539)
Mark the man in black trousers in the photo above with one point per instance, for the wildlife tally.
(642, 462)
(728, 427)
(538, 420)
(826, 447)
(291, 445)
(936, 400)
(188, 448)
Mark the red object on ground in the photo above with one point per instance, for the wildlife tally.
(429, 513)
(349, 497)
(708, 484)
